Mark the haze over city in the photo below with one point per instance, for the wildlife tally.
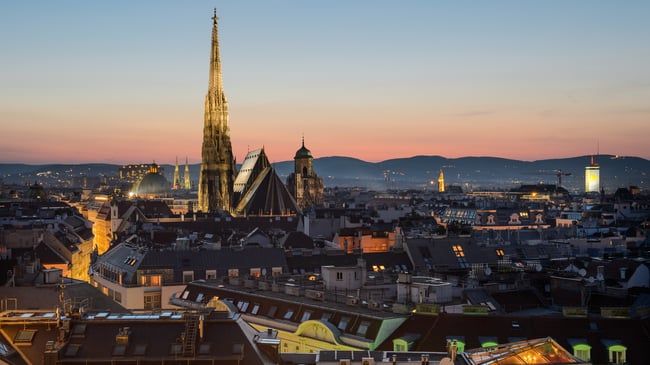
(125, 82)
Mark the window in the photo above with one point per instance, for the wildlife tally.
(118, 297)
(460, 256)
(152, 300)
(151, 280)
(210, 274)
(326, 316)
(272, 311)
(343, 323)
(255, 309)
(339, 276)
(500, 253)
(288, 314)
(233, 272)
(305, 316)
(256, 272)
(617, 354)
(276, 271)
(363, 328)
(188, 276)
(582, 351)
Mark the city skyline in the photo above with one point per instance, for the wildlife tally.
(125, 83)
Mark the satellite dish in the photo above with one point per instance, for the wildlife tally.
(538, 267)
(582, 272)
(264, 271)
(488, 271)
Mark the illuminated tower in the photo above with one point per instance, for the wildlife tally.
(186, 176)
(592, 177)
(217, 162)
(177, 177)
(441, 182)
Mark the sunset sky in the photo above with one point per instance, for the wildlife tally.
(125, 81)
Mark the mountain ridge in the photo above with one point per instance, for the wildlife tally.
(420, 171)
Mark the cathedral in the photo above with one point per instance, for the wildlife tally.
(256, 188)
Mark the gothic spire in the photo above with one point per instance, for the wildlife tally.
(215, 83)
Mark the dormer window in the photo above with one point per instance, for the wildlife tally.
(490, 219)
(514, 219)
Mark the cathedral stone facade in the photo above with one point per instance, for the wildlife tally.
(218, 168)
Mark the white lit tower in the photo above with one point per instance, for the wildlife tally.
(592, 177)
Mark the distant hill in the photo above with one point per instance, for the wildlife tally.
(413, 172)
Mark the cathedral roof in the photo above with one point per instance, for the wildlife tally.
(267, 196)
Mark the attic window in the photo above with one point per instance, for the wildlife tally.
(176, 349)
(72, 350)
(343, 323)
(363, 328)
(140, 350)
(255, 309)
(500, 253)
(237, 348)
(79, 329)
(288, 314)
(24, 337)
(204, 348)
(119, 350)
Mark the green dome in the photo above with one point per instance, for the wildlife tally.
(303, 152)
(152, 183)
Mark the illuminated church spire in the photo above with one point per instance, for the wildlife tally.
(177, 178)
(441, 182)
(187, 185)
(217, 163)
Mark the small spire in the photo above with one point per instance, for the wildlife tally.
(214, 17)
(303, 140)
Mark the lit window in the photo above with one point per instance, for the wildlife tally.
(151, 280)
(460, 256)
(500, 253)
(233, 272)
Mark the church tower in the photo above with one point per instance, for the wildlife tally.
(441, 182)
(177, 177)
(304, 184)
(217, 162)
(186, 176)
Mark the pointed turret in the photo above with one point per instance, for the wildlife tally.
(186, 176)
(177, 177)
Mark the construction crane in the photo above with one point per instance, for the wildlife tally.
(559, 173)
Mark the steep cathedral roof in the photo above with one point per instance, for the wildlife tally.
(267, 195)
